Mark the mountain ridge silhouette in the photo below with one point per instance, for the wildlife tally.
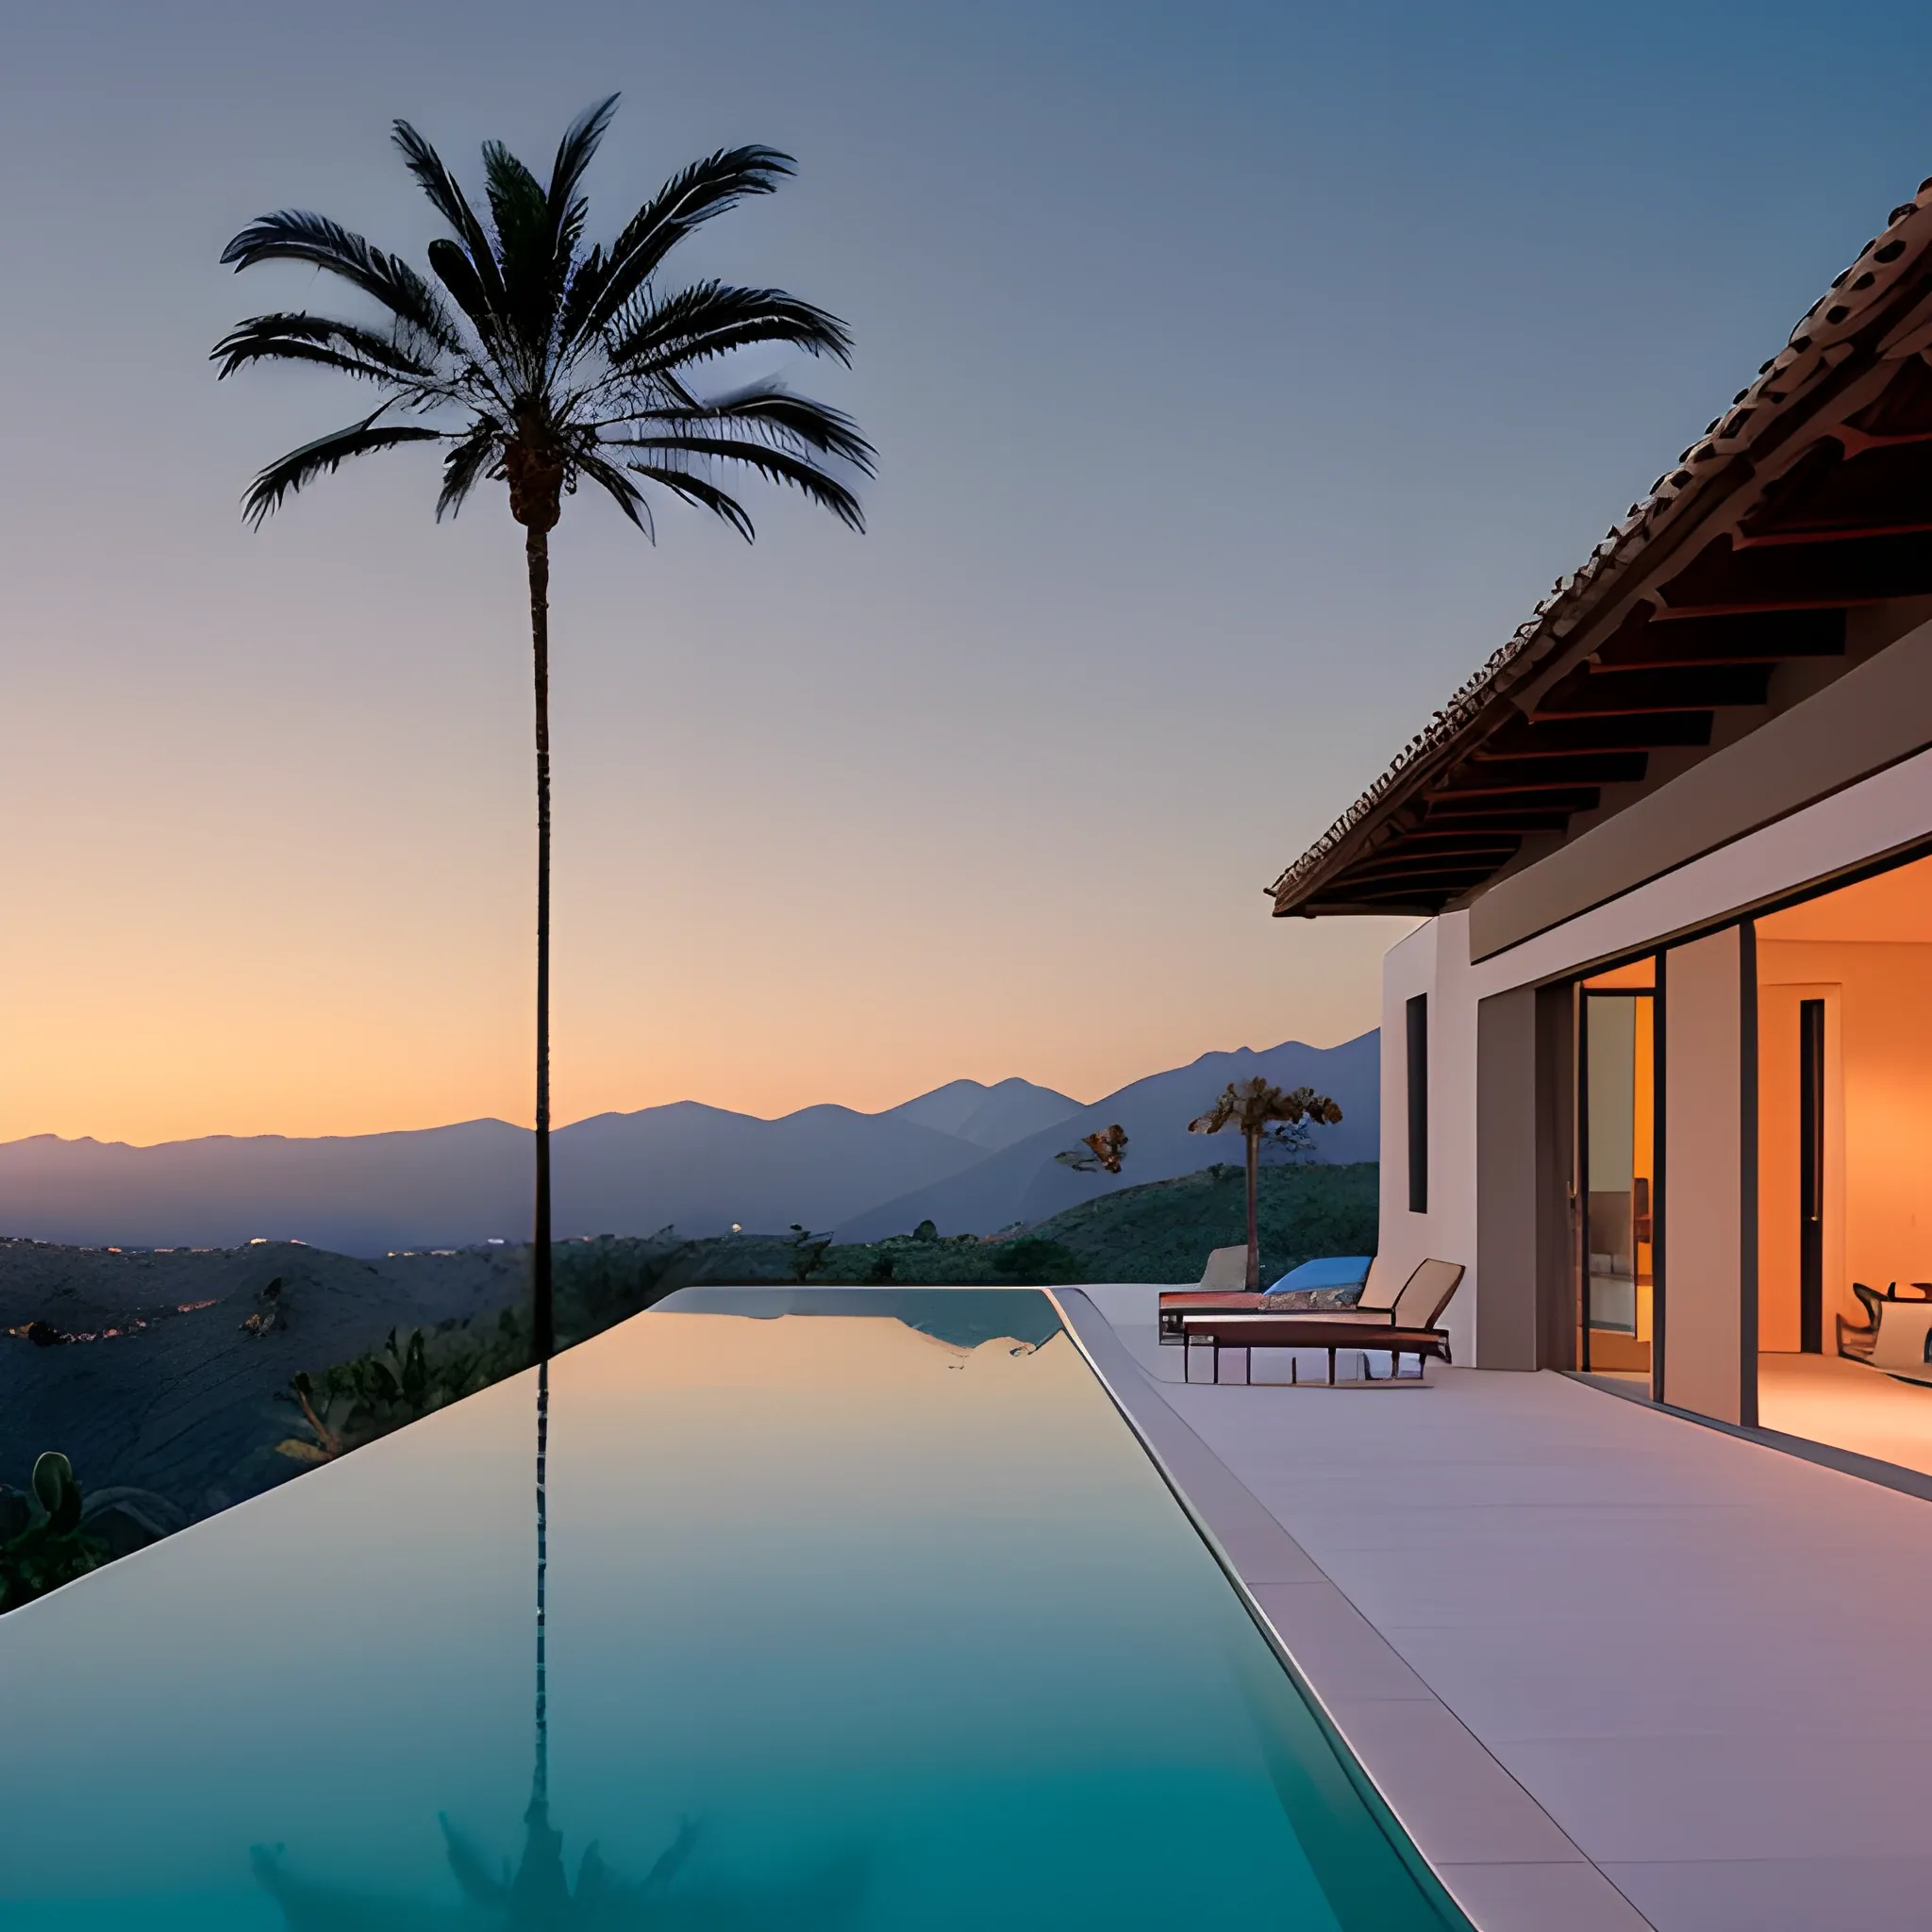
(688, 1164)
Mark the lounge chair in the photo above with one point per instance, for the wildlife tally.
(1224, 1285)
(1403, 1322)
(1898, 1341)
(1386, 1299)
(1855, 1342)
(1250, 1332)
(1326, 1293)
(1226, 1269)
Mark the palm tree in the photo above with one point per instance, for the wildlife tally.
(1262, 1112)
(541, 364)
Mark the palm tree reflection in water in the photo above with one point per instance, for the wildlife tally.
(536, 1896)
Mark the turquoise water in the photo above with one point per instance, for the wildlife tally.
(872, 1617)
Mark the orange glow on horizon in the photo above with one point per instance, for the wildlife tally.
(140, 1015)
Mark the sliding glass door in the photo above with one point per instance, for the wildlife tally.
(1617, 1158)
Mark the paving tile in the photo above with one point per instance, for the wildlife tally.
(1334, 1645)
(1672, 1587)
(1457, 1804)
(1637, 1800)
(1780, 1894)
(1572, 1897)
(1267, 1557)
(1615, 1677)
(1700, 1660)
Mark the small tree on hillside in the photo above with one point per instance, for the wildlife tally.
(1262, 1112)
(1096, 1151)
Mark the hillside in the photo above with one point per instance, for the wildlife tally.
(169, 1372)
(1165, 1230)
(164, 1386)
(1026, 1184)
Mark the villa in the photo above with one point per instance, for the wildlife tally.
(924, 1606)
(1659, 1062)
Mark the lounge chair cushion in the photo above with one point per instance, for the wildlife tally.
(1383, 1285)
(1327, 1271)
(1903, 1331)
(1227, 1268)
(1331, 1281)
(1285, 1300)
(1427, 1293)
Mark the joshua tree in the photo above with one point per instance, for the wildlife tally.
(1261, 1112)
(541, 364)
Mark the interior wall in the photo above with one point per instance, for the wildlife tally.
(1882, 1069)
(1779, 1196)
(1709, 1352)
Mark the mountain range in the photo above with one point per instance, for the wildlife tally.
(971, 1157)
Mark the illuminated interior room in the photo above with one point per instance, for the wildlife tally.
(1845, 1132)
(1617, 1153)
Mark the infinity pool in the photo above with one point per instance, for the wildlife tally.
(864, 1610)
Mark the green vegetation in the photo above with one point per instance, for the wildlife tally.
(1260, 1112)
(599, 1283)
(42, 1543)
(1159, 1231)
(357, 1401)
(1164, 1231)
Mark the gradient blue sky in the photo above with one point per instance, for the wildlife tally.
(1241, 376)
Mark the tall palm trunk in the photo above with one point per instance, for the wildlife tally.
(543, 1313)
(540, 1776)
(1254, 1146)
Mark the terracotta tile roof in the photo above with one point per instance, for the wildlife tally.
(1763, 417)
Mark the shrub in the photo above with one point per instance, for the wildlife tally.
(43, 1540)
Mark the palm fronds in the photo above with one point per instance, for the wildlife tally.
(691, 197)
(710, 319)
(303, 338)
(531, 356)
(470, 459)
(301, 466)
(668, 455)
(293, 235)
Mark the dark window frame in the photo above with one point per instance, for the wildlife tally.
(1417, 1030)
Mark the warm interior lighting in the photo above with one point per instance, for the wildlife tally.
(1619, 1157)
(1641, 974)
(1844, 1152)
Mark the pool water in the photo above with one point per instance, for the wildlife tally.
(862, 1609)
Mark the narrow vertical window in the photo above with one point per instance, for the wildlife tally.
(1811, 1177)
(1419, 1103)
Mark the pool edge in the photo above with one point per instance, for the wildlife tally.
(1529, 1874)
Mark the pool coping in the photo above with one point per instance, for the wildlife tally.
(1502, 1859)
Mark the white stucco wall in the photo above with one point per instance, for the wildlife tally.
(1432, 959)
(1888, 810)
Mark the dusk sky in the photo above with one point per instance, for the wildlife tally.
(1240, 376)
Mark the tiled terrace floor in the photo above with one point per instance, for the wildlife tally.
(1707, 1663)
(1848, 1405)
